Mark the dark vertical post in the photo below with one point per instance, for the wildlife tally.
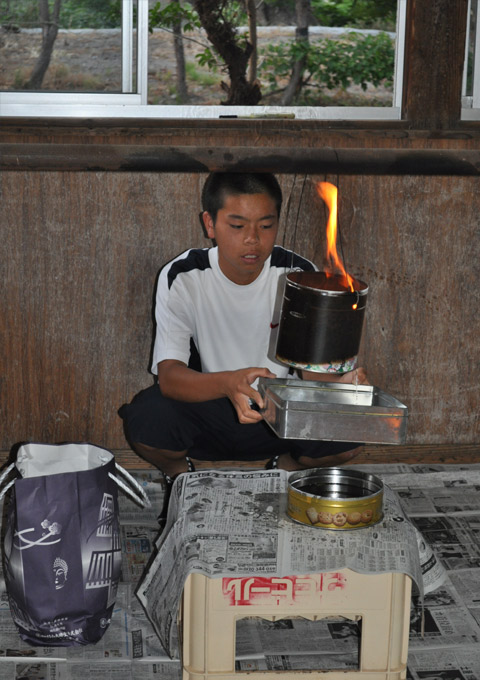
(435, 40)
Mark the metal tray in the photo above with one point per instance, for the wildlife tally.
(307, 409)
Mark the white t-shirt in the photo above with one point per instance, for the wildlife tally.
(233, 326)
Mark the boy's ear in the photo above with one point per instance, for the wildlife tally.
(207, 224)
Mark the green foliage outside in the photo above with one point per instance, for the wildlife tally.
(23, 13)
(73, 13)
(329, 64)
(91, 14)
(107, 13)
(352, 59)
(165, 16)
(173, 13)
(379, 14)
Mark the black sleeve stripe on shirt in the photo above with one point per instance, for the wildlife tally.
(197, 258)
(286, 258)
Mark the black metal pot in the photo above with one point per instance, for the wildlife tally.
(321, 321)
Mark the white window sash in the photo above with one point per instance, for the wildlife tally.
(127, 46)
(471, 103)
(476, 66)
(399, 55)
(142, 51)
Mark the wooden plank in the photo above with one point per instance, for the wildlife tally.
(80, 258)
(410, 455)
(173, 130)
(434, 58)
(141, 158)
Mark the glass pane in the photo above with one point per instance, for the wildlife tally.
(345, 57)
(85, 55)
(471, 40)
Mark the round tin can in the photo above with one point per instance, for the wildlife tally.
(333, 498)
(321, 321)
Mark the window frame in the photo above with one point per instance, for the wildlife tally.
(131, 104)
(471, 103)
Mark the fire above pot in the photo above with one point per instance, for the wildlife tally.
(322, 312)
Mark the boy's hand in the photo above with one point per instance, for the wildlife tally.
(356, 377)
(239, 390)
(179, 382)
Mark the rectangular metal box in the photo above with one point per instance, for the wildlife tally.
(308, 409)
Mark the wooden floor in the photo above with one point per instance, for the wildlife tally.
(469, 453)
(448, 453)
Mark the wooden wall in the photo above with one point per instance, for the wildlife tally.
(81, 251)
(90, 210)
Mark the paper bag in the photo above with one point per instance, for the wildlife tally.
(62, 547)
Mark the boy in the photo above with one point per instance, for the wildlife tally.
(221, 302)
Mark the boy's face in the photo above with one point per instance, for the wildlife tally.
(245, 231)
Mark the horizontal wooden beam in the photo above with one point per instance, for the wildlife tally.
(143, 158)
(86, 130)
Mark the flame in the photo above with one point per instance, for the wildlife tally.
(328, 193)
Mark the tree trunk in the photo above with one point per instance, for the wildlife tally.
(302, 11)
(182, 91)
(49, 35)
(252, 32)
(262, 11)
(222, 35)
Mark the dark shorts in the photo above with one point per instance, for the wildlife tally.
(210, 430)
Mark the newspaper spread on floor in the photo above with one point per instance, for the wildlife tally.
(441, 501)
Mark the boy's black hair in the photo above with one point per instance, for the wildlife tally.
(219, 185)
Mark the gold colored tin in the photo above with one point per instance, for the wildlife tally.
(334, 498)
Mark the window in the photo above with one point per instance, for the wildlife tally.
(471, 71)
(132, 93)
(127, 88)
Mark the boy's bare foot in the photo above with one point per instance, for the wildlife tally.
(171, 463)
(285, 461)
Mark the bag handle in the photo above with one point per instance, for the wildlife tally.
(3, 476)
(139, 497)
